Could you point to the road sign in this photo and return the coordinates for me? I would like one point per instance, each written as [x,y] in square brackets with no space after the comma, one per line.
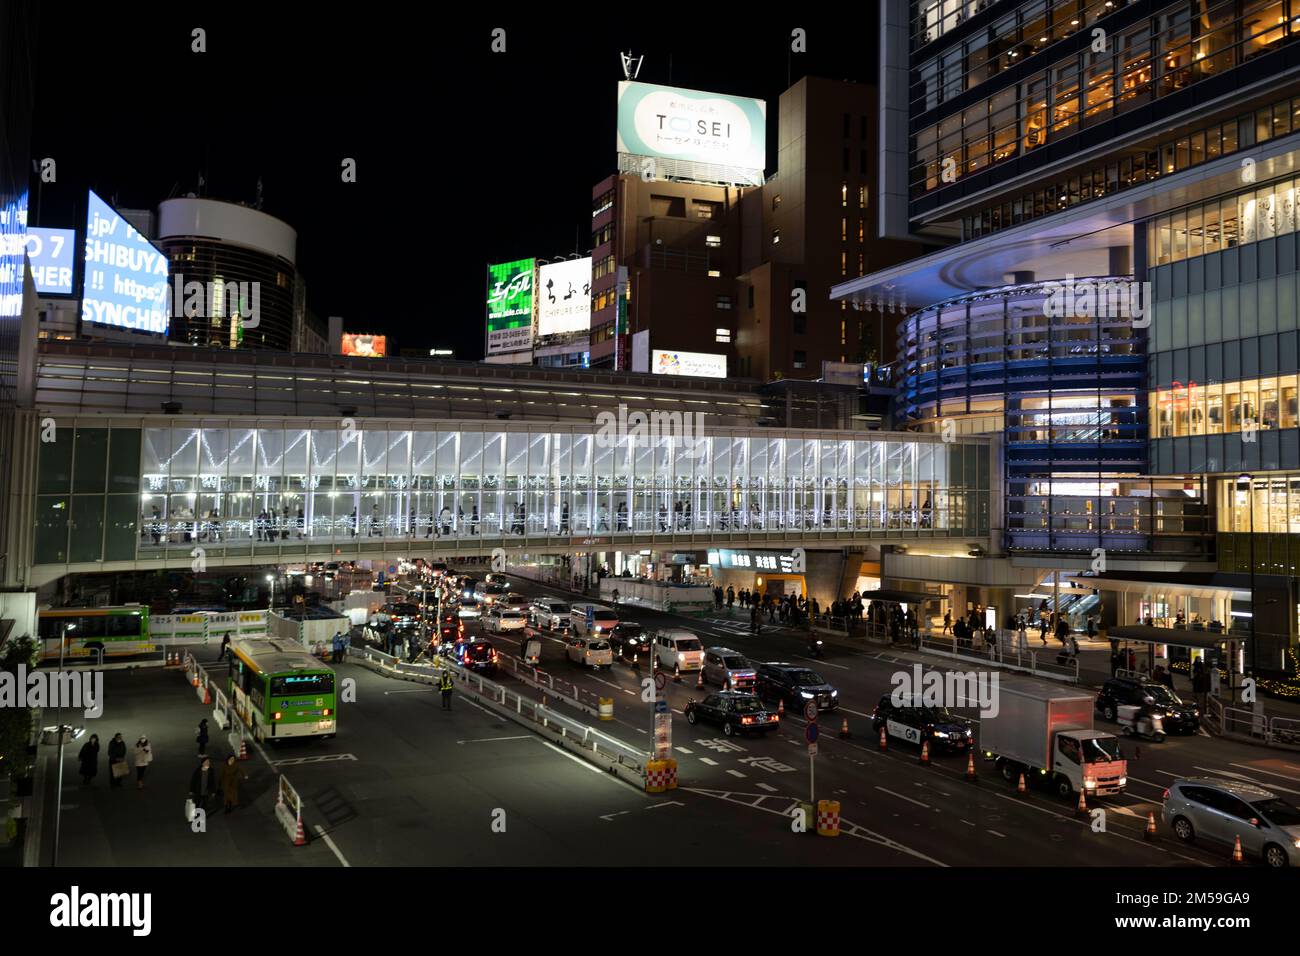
[810,711]
[661,706]
[810,734]
[661,680]
[812,750]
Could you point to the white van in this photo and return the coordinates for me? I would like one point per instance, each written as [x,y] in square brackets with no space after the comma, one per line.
[678,648]
[603,619]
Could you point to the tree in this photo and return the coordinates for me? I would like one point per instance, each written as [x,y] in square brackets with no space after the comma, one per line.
[16,722]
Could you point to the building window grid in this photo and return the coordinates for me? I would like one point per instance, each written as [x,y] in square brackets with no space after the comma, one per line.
[263,487]
[1091,87]
[1239,219]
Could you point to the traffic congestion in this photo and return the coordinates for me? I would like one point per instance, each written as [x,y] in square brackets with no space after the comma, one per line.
[742,703]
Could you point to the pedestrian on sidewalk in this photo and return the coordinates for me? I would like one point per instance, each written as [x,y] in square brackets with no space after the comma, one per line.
[231,776]
[201,738]
[225,646]
[1022,635]
[947,621]
[203,784]
[1200,683]
[143,757]
[445,685]
[89,760]
[117,768]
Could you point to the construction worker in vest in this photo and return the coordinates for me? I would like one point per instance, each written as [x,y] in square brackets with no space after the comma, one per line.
[444,685]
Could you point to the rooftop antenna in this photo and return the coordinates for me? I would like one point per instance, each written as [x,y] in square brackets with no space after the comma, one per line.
[631,66]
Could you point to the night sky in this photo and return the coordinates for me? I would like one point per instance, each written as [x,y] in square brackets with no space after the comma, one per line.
[464,156]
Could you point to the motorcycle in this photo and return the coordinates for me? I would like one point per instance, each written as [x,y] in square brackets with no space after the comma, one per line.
[1139,721]
[815,648]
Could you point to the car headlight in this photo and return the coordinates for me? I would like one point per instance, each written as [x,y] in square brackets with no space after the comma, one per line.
[1297,844]
[805,695]
[1090,784]
[835,693]
[941,734]
[1123,781]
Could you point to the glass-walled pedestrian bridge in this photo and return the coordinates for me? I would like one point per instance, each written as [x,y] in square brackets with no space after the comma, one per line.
[147,492]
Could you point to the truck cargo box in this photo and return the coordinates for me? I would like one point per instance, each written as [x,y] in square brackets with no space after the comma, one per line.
[1029,713]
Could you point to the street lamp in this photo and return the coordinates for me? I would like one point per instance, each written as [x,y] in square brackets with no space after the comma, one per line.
[58,802]
[1250,505]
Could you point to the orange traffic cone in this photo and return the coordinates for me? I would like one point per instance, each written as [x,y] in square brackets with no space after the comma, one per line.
[1081,808]
[1150,831]
[844,729]
[883,743]
[925,751]
[699,681]
[677,673]
[1237,857]
[243,748]
[1020,787]
[207,694]
[970,767]
[780,708]
[299,838]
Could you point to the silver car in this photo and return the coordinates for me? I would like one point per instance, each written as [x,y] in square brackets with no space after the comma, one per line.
[1220,811]
[729,669]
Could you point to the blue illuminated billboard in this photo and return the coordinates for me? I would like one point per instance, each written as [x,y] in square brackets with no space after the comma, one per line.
[49,256]
[126,277]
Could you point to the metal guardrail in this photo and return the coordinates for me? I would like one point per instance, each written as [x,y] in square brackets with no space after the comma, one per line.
[569,692]
[582,736]
[1004,654]
[1254,726]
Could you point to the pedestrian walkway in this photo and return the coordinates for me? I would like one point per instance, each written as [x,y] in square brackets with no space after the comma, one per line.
[103,826]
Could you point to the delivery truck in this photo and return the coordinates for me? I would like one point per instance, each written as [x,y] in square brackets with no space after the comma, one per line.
[1044,731]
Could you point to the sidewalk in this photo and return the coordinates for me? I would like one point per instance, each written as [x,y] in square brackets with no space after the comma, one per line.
[126,826]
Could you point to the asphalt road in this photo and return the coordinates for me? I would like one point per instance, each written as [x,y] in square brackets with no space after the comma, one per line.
[930,811]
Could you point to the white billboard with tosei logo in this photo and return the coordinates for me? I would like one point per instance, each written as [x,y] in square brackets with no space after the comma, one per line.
[667,132]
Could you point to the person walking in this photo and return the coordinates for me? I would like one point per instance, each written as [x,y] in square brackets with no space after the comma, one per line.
[203,784]
[1200,683]
[225,646]
[336,647]
[947,621]
[89,760]
[1022,636]
[731,597]
[201,738]
[445,685]
[143,757]
[117,768]
[231,776]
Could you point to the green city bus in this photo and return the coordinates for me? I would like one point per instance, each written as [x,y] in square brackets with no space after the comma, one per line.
[85,631]
[279,690]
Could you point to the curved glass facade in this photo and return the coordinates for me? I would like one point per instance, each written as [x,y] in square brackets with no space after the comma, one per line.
[1065,390]
[262,484]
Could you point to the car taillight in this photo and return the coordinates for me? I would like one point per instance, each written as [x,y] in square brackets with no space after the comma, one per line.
[276,716]
[328,712]
[747,720]
[1164,796]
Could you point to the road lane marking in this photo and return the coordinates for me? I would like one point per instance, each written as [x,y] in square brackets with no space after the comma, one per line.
[683,750]
[817,661]
[855,713]
[322,758]
[997,834]
[968,823]
[578,760]
[486,740]
[736,773]
[1242,776]
[711,763]
[414,690]
[330,843]
[1269,772]
[765,786]
[666,803]
[908,799]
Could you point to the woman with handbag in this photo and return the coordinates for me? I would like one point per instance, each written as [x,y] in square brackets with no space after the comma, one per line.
[143,757]
[117,768]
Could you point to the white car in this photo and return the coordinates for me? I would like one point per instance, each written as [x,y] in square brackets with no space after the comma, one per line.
[515,601]
[549,614]
[593,651]
[502,619]
[677,648]
[468,608]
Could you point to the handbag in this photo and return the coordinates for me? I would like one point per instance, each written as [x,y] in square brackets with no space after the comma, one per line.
[189,810]
[120,769]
